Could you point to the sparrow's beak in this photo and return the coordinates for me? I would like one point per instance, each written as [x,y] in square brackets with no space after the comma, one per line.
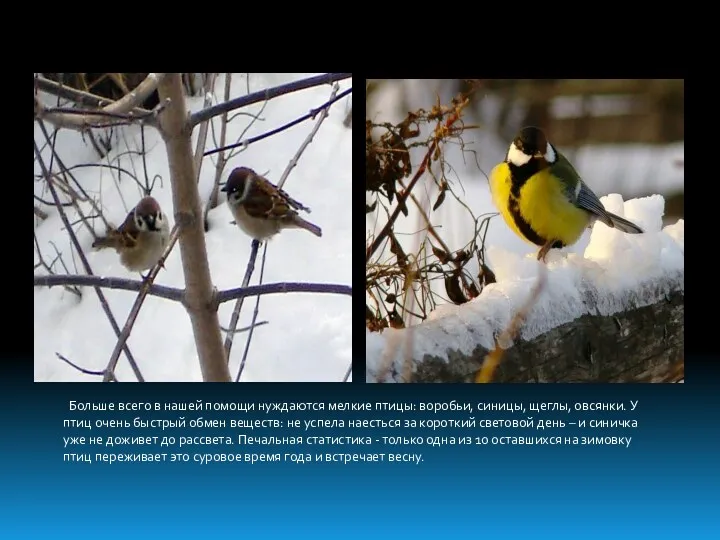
[224,188]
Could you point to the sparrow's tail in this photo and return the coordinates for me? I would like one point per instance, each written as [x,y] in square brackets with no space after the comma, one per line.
[103,242]
[624,225]
[301,223]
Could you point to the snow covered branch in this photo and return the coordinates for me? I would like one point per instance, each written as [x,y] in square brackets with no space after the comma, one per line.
[266,94]
[123,108]
[626,346]
[178,295]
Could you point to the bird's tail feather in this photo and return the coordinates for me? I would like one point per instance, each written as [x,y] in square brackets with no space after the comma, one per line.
[103,242]
[624,225]
[303,224]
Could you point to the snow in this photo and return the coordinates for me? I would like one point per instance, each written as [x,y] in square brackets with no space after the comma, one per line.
[605,268]
[308,336]
[614,273]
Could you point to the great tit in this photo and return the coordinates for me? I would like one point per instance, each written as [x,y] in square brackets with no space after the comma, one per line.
[542,197]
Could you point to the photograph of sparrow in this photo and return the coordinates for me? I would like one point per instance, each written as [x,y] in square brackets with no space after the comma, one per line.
[142,237]
[260,208]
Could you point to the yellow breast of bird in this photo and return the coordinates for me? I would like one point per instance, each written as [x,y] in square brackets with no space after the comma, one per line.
[537,210]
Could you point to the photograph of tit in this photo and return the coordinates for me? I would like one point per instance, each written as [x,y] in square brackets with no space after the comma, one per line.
[193,227]
[524,231]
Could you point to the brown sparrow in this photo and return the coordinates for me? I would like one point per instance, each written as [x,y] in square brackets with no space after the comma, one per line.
[260,208]
[141,239]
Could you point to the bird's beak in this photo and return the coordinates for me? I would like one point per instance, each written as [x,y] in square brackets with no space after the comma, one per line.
[224,188]
[539,155]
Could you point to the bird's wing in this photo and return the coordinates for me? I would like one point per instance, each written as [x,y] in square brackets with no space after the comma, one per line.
[587,200]
[266,200]
[578,192]
[127,231]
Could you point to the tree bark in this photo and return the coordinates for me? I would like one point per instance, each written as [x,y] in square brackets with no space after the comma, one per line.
[644,344]
[199,294]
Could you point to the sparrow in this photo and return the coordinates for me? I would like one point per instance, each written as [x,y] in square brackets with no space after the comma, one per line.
[260,208]
[142,237]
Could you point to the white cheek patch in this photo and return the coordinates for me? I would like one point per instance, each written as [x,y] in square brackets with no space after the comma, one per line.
[550,155]
[516,156]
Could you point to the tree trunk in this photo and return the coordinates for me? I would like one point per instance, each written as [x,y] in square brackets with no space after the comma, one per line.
[199,294]
[645,344]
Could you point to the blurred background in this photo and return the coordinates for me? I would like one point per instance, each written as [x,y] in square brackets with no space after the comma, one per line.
[623,135]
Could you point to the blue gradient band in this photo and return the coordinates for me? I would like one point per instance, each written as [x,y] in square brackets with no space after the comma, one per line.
[662,485]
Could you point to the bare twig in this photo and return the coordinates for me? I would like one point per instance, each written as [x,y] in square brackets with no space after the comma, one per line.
[348,373]
[238,306]
[266,94]
[87,119]
[401,198]
[49,267]
[311,115]
[294,161]
[254,318]
[80,369]
[220,166]
[78,96]
[80,195]
[83,258]
[254,249]
[202,134]
[245,328]
[178,295]
[254,117]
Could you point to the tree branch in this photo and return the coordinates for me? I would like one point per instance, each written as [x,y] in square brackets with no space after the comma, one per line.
[323,110]
[77,96]
[263,95]
[311,115]
[177,295]
[401,198]
[87,119]
[123,284]
[256,311]
[135,311]
[249,269]
[624,347]
[80,369]
[176,131]
[81,254]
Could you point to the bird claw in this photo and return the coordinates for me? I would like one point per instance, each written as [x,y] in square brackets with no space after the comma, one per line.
[544,251]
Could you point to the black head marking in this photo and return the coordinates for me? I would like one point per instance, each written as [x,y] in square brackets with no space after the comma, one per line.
[237,179]
[531,140]
[148,213]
